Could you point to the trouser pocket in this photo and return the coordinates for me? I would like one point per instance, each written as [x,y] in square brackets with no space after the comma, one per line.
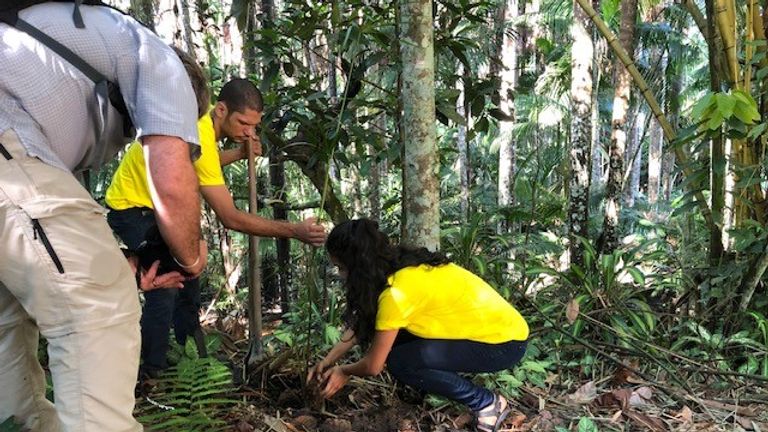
[39,234]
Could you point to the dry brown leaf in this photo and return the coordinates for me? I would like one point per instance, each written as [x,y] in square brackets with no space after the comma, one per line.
[617,398]
[616,416]
[462,420]
[641,396]
[305,422]
[572,311]
[644,392]
[585,394]
[685,415]
[244,426]
[275,424]
[622,396]
[517,420]
[744,422]
[650,423]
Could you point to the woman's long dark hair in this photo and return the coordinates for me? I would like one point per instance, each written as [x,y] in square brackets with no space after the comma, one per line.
[369,259]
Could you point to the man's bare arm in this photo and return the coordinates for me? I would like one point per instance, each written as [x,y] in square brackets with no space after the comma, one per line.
[174,190]
[221,202]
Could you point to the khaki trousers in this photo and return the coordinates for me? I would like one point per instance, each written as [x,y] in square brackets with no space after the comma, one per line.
[62,275]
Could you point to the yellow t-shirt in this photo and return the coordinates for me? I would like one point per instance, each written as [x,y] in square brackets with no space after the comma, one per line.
[129,186]
[448,302]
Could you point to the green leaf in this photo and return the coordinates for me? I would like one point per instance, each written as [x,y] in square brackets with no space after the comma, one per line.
[637,275]
[725,104]
[715,121]
[746,113]
[587,425]
[698,110]
[757,130]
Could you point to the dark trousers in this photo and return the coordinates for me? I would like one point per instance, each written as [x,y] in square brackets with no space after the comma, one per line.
[433,365]
[164,306]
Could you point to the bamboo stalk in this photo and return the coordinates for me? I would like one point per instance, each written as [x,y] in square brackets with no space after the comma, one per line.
[713,40]
[724,25]
[640,83]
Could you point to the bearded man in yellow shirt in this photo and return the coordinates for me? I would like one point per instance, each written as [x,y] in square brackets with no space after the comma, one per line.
[235,116]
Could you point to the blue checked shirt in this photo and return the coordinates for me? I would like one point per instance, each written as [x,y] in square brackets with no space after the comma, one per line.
[51,105]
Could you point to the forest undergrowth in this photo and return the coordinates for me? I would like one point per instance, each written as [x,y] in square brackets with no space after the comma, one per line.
[631,342]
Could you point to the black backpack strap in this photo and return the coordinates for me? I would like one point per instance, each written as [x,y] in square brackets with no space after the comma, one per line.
[76,16]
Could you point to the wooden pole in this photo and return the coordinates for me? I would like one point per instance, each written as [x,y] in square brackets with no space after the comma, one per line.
[256,349]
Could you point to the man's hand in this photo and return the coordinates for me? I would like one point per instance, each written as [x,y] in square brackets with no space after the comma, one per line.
[310,232]
[149,280]
[255,147]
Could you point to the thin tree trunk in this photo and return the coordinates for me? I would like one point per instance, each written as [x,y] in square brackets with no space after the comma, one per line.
[581,97]
[144,11]
[597,148]
[283,274]
[462,145]
[654,162]
[421,203]
[634,158]
[509,73]
[672,107]
[374,182]
[617,149]
[717,145]
[189,43]
[669,132]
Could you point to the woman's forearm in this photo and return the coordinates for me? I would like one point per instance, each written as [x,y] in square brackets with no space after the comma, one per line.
[348,341]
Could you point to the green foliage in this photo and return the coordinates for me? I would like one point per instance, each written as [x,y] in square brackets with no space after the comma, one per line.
[585,424]
[191,396]
[10,425]
[737,111]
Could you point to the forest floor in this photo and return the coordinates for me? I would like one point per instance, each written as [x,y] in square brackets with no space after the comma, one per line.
[378,405]
[274,399]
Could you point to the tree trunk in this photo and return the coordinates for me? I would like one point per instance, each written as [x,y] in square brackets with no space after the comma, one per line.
[420,182]
[654,162]
[374,182]
[672,108]
[283,274]
[617,149]
[509,76]
[669,132]
[144,11]
[597,147]
[187,32]
[717,146]
[581,101]
[462,145]
[635,159]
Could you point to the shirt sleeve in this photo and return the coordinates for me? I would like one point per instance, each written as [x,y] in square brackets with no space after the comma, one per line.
[208,166]
[394,310]
[157,90]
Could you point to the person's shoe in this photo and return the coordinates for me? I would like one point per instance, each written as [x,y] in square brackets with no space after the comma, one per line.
[490,418]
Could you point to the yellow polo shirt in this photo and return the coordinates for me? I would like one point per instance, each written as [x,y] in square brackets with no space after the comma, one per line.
[129,186]
[448,302]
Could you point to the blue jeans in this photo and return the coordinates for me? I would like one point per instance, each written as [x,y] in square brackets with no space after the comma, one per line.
[164,306]
[433,365]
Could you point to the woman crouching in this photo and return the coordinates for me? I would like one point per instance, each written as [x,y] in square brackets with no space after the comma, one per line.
[424,317]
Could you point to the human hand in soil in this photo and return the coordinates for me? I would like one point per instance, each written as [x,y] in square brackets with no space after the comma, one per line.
[334,379]
[316,371]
